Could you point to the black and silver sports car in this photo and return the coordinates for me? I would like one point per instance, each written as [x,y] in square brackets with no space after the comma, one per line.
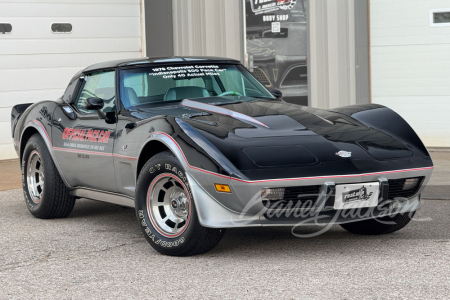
[198,145]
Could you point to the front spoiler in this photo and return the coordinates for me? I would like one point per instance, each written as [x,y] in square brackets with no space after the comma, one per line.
[214,213]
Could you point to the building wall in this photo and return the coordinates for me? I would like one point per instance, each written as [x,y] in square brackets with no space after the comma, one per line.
[211,28]
[411,65]
[338,52]
[37,64]
[158,28]
[332,59]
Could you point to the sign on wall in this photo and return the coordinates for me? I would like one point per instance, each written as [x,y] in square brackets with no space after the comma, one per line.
[276,36]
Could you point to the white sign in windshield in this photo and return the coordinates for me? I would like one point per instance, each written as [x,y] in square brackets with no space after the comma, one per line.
[180,72]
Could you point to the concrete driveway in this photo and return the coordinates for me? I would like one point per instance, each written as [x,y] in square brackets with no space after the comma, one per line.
[99,252]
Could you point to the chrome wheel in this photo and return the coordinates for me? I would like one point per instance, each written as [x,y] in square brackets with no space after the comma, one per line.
[35,176]
[168,205]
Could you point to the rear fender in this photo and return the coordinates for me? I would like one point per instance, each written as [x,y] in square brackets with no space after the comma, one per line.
[37,126]
[16,113]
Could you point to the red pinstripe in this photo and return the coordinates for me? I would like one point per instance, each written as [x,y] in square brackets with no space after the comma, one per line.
[236,179]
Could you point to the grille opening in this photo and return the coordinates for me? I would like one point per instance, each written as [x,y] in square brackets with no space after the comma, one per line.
[404,187]
[261,76]
[295,197]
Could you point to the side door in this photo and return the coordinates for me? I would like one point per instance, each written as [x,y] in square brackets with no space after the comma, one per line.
[82,141]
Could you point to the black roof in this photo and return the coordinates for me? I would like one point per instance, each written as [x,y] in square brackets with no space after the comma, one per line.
[158,60]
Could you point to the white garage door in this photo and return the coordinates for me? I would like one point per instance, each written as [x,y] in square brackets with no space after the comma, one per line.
[37,64]
[411,65]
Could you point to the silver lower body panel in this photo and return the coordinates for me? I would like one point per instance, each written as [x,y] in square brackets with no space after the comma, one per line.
[243,206]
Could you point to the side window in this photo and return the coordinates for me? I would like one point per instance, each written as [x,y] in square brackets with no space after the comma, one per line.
[99,85]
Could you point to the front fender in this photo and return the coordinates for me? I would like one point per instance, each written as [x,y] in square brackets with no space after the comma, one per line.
[387,121]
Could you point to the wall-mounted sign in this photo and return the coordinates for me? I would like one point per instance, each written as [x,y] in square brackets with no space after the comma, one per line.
[264,6]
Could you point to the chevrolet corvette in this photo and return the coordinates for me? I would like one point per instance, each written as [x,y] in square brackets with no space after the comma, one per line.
[197,145]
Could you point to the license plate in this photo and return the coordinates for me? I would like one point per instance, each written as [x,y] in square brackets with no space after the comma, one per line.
[357,195]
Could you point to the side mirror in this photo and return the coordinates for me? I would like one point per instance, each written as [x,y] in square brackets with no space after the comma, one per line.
[277,93]
[95,104]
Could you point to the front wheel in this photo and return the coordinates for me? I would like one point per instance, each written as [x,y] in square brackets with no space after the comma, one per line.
[384,225]
[166,211]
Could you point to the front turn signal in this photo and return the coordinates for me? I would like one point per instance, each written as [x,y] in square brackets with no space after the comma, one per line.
[222,188]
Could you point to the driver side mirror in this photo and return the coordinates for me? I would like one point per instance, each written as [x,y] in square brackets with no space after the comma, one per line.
[95,104]
[277,93]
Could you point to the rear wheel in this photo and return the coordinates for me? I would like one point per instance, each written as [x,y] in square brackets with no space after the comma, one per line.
[45,194]
[166,211]
[378,226]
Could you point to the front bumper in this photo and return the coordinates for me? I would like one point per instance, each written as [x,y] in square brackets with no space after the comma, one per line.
[243,207]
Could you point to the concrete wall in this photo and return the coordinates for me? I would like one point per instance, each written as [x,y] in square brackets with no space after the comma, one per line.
[411,65]
[211,28]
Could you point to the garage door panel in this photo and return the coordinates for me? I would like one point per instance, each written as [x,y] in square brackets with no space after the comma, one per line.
[68,45]
[5,135]
[101,27]
[34,79]
[37,64]
[74,1]
[9,99]
[5,113]
[411,109]
[21,10]
[60,60]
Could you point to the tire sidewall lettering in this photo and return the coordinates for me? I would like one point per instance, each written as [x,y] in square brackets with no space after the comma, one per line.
[151,234]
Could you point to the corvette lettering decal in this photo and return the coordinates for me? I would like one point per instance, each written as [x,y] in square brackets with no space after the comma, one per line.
[86,135]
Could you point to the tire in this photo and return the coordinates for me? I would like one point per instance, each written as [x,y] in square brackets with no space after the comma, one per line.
[165,209]
[45,194]
[379,226]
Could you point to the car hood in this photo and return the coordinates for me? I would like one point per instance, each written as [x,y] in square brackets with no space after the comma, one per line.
[258,135]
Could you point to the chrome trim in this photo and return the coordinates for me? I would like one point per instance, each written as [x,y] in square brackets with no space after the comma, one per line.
[34,173]
[103,196]
[175,206]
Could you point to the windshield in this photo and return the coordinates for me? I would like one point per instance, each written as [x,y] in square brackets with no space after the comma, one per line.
[144,86]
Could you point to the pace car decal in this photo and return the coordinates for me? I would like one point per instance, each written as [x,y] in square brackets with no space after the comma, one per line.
[263,6]
[356,195]
[86,135]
